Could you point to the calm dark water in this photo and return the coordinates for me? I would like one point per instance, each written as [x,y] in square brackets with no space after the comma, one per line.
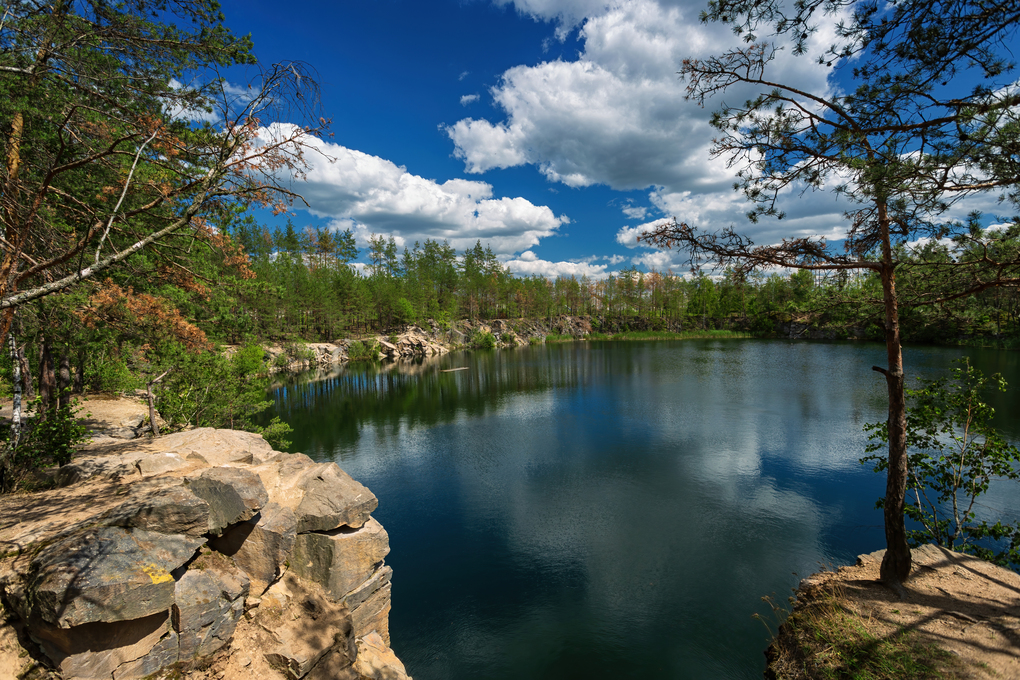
[612,510]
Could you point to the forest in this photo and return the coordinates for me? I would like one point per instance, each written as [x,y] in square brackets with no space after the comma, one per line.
[249,284]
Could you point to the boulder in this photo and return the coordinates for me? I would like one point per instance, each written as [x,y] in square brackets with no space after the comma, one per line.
[233,494]
[164,654]
[322,496]
[261,546]
[343,559]
[107,467]
[160,462]
[104,574]
[174,510]
[218,447]
[98,650]
[380,578]
[209,599]
[377,661]
[306,626]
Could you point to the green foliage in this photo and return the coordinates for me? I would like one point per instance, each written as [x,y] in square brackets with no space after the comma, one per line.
[46,440]
[363,350]
[109,374]
[275,433]
[483,340]
[207,389]
[298,351]
[954,455]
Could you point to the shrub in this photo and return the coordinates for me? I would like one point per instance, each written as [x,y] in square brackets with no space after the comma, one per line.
[483,340]
[45,440]
[953,455]
[275,433]
[367,350]
[206,389]
[298,351]
[111,374]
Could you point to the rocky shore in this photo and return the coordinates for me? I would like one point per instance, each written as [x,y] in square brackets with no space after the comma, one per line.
[430,340]
[200,554]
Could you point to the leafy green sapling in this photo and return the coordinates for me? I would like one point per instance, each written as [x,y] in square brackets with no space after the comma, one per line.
[954,453]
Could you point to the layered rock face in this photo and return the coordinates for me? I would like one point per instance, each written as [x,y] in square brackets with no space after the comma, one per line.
[203,554]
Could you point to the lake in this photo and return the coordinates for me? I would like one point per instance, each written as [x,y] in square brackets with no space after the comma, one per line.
[613,509]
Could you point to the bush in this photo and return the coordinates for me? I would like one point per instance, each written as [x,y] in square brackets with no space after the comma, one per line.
[109,374]
[45,440]
[298,351]
[367,350]
[483,340]
[953,455]
[207,389]
[275,433]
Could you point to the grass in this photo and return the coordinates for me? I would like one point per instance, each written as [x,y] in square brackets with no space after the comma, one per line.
[649,335]
[826,638]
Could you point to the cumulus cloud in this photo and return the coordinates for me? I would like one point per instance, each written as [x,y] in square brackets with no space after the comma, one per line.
[635,212]
[566,13]
[615,115]
[528,264]
[373,195]
[468,99]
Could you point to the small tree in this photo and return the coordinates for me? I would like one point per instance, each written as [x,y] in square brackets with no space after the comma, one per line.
[117,131]
[902,147]
[954,453]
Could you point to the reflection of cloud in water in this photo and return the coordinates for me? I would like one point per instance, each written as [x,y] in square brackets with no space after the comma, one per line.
[631,530]
[633,497]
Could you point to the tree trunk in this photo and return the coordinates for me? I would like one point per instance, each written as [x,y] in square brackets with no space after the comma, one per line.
[16,406]
[896,563]
[47,378]
[79,374]
[7,452]
[64,379]
[27,388]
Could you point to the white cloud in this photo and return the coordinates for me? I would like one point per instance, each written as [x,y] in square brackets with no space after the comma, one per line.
[635,212]
[468,99]
[463,75]
[615,259]
[566,13]
[528,264]
[371,195]
[615,115]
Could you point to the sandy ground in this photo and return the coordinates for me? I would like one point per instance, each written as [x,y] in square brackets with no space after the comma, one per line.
[966,606]
[102,411]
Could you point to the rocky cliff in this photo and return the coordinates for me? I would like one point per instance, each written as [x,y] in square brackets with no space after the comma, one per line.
[199,554]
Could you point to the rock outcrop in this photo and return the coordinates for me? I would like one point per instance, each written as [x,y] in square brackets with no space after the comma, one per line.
[203,554]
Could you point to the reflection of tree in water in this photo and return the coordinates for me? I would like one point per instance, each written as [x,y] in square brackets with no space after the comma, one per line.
[328,409]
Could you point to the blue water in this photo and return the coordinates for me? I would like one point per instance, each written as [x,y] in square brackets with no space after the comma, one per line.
[612,510]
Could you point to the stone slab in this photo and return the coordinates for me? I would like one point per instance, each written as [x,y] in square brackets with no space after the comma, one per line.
[342,559]
[106,574]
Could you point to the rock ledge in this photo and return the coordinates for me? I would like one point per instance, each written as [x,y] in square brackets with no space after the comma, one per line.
[199,554]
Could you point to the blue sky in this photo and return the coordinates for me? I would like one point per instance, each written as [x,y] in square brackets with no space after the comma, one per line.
[551,130]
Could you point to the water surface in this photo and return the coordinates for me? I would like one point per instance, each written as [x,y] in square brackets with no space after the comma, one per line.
[612,510]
